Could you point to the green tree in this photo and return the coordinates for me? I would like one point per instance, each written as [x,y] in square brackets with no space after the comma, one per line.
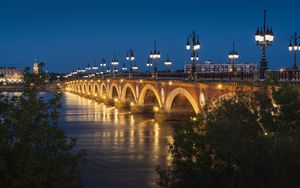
[34,152]
[244,141]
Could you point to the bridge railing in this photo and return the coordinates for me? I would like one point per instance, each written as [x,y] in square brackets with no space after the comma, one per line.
[280,77]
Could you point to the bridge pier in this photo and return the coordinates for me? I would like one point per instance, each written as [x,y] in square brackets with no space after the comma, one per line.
[136,109]
[108,102]
[122,104]
[161,115]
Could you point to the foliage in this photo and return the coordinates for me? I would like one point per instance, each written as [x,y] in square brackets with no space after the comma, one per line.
[244,141]
[34,152]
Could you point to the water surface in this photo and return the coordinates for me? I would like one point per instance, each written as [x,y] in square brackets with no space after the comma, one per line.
[123,149]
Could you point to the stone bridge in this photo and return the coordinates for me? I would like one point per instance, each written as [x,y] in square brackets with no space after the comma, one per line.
[167,99]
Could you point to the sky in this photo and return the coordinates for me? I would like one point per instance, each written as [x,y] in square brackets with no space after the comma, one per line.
[66,34]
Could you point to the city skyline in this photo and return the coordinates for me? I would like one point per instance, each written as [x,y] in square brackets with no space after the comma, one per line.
[69,34]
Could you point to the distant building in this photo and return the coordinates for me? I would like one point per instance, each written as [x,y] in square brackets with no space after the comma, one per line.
[209,67]
[35,67]
[11,75]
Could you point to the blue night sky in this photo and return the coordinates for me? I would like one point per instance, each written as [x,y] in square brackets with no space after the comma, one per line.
[68,34]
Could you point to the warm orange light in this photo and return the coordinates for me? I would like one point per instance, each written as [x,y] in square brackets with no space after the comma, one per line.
[132,103]
[170,82]
[155,108]
[116,99]
[141,81]
[220,86]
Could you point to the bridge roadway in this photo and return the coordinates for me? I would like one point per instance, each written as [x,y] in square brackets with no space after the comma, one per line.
[136,94]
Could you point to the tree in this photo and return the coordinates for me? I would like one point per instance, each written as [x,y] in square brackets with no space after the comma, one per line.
[34,152]
[242,142]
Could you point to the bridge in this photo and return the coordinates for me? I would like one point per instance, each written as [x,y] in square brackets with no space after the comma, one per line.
[166,98]
[169,96]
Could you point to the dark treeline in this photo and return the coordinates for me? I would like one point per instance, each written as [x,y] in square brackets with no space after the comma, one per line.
[246,140]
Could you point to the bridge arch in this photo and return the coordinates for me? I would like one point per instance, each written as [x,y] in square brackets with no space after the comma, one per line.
[84,88]
[79,88]
[144,92]
[173,94]
[221,97]
[126,87]
[103,90]
[90,89]
[111,90]
[96,90]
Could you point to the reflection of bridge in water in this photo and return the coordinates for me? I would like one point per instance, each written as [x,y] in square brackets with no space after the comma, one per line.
[166,98]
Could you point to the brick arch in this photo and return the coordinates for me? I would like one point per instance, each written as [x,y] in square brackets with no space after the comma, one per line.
[84,88]
[103,85]
[144,91]
[225,95]
[96,90]
[90,88]
[112,86]
[123,94]
[172,95]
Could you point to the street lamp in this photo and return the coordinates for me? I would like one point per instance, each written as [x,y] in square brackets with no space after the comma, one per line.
[155,56]
[148,65]
[130,57]
[264,38]
[168,63]
[95,67]
[102,65]
[193,44]
[233,55]
[124,68]
[294,47]
[108,71]
[88,68]
[115,64]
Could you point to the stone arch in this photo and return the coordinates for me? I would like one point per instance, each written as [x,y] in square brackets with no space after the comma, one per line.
[125,88]
[144,91]
[172,95]
[96,90]
[221,96]
[84,88]
[102,87]
[112,86]
[90,88]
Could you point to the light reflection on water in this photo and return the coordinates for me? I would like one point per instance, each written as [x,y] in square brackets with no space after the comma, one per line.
[123,149]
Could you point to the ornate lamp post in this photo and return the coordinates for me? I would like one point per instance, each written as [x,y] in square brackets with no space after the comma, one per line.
[134,68]
[294,46]
[193,44]
[130,57]
[102,66]
[233,55]
[108,70]
[148,65]
[155,56]
[168,63]
[124,68]
[115,64]
[88,69]
[264,38]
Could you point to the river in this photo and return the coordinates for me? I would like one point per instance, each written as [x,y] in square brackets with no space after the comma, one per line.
[122,149]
